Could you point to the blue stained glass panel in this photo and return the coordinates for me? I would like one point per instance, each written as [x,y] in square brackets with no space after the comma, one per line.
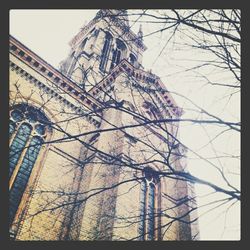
[23,175]
[40,129]
[11,128]
[17,115]
[18,145]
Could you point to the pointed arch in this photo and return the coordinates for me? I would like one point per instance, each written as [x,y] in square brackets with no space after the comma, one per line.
[149,217]
[29,129]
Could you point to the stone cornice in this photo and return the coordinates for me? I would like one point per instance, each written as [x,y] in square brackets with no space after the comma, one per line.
[88,98]
[53,93]
[52,74]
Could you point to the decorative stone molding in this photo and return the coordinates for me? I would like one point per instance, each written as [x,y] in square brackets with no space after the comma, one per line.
[161,93]
[51,74]
[52,93]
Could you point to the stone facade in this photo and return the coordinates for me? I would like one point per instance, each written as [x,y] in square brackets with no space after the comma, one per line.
[86,183]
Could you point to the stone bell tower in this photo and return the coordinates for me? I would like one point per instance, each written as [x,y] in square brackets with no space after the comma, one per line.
[106,57]
[100,46]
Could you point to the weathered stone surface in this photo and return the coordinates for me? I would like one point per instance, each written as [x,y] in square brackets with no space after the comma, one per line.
[60,201]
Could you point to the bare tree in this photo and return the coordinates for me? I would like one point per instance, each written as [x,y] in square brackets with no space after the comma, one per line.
[216,33]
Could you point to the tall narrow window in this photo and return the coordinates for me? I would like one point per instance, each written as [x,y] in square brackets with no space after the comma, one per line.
[149,205]
[118,53]
[132,59]
[105,51]
[28,128]
[18,145]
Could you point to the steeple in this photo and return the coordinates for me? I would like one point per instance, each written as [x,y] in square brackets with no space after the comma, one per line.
[100,45]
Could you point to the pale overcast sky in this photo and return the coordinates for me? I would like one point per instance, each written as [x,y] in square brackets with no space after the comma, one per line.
[47,33]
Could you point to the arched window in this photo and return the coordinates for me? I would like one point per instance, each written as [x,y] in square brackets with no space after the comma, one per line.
[132,59]
[28,129]
[105,51]
[149,219]
[118,53]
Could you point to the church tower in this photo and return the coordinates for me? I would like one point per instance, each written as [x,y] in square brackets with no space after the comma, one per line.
[100,45]
[106,61]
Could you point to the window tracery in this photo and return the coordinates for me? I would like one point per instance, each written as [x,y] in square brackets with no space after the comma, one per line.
[28,129]
[149,205]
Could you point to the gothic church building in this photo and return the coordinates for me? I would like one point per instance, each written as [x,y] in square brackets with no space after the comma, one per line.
[87,158]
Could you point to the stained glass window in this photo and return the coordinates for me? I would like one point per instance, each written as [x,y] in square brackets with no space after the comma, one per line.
[11,128]
[18,145]
[27,128]
[148,206]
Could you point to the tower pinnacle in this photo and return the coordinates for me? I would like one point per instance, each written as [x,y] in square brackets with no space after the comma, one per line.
[140,33]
